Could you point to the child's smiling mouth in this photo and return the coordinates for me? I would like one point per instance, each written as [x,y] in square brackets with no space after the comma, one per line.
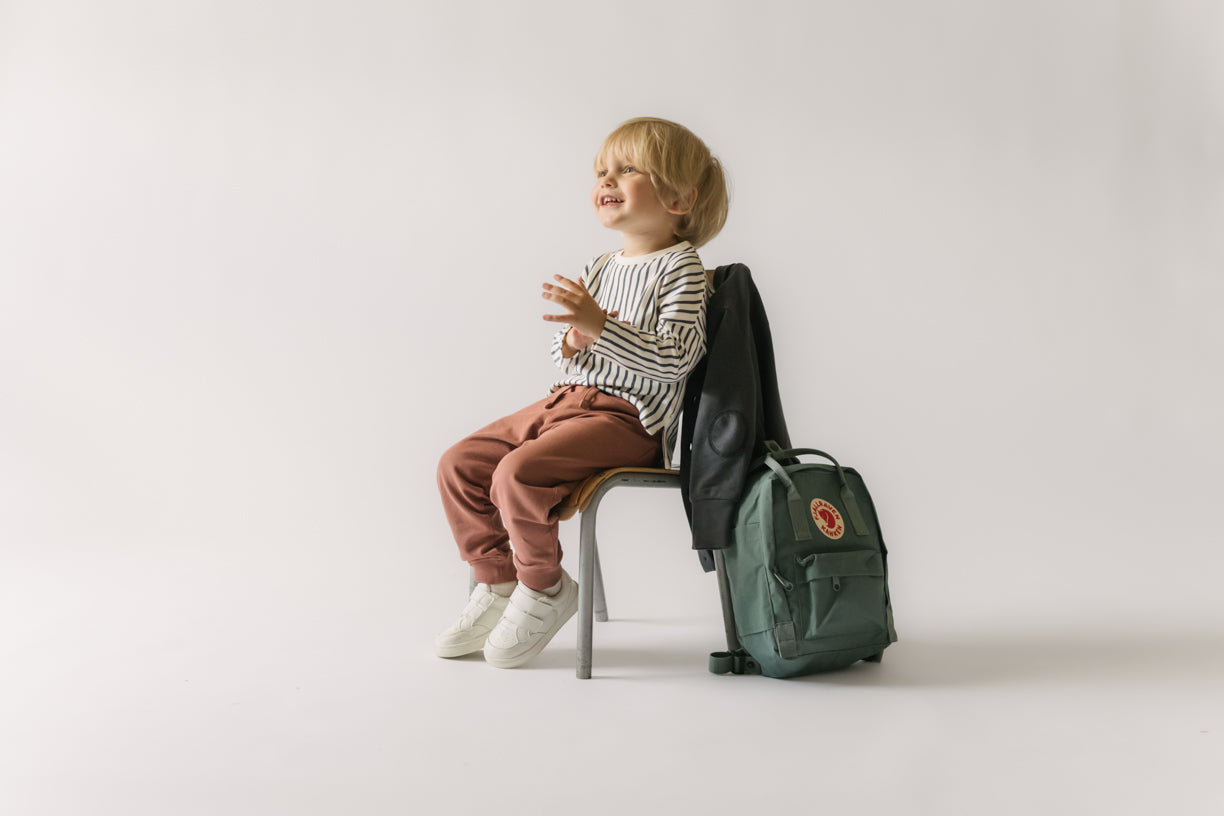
[605,200]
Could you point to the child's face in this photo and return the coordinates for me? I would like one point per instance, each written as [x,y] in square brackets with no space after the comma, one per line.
[626,200]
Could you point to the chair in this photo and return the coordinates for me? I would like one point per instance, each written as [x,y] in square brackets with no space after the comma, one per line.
[592,602]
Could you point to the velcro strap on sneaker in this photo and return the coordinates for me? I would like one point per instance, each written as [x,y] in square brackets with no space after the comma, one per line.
[477,605]
[521,617]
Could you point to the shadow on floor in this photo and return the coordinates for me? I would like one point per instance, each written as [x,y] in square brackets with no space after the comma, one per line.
[1051,659]
[1086,657]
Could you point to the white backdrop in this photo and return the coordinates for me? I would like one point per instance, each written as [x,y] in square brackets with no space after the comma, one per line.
[262,262]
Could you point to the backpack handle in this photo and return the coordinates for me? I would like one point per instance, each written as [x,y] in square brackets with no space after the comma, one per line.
[777,452]
[800,520]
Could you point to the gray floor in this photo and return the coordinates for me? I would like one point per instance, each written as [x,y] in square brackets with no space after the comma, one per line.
[174,685]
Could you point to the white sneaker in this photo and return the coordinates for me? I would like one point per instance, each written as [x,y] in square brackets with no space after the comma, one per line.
[484,609]
[529,622]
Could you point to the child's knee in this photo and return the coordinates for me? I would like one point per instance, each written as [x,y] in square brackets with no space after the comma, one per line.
[508,477]
[451,462]
[504,477]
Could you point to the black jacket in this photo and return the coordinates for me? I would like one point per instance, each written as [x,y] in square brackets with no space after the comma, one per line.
[731,406]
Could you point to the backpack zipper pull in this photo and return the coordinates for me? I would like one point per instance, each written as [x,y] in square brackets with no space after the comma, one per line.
[787,585]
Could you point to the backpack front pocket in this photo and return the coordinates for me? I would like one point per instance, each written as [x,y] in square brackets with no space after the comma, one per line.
[841,595]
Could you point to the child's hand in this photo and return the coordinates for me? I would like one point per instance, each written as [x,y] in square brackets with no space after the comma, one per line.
[578,341]
[581,310]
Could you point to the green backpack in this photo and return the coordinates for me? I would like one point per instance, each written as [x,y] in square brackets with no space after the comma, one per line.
[808,572]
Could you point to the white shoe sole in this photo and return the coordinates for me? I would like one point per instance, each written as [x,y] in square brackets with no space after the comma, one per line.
[467,647]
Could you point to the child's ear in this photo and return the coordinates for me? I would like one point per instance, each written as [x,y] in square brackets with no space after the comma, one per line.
[677,205]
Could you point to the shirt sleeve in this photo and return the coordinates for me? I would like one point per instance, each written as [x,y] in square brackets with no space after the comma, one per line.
[574,364]
[668,353]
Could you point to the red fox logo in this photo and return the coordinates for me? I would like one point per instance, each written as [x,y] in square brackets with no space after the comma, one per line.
[827,519]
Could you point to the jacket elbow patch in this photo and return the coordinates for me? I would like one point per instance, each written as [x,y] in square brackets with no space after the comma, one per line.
[728,433]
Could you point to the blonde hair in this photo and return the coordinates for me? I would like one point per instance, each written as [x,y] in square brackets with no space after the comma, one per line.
[680,165]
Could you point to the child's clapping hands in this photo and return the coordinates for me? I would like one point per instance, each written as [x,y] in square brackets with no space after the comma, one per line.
[584,315]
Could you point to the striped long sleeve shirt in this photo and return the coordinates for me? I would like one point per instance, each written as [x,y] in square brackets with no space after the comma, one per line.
[645,354]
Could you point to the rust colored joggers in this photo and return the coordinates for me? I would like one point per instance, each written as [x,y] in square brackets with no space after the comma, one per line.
[503,483]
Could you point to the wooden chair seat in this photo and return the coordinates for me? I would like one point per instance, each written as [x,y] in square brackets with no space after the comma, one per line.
[580,499]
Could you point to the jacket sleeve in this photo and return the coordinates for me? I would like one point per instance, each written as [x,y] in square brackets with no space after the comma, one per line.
[736,409]
[669,352]
[727,414]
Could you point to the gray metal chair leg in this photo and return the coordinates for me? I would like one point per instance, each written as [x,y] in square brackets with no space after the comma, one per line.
[586,588]
[601,599]
[590,574]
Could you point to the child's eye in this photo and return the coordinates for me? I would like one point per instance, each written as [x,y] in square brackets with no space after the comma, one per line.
[629,170]
[601,174]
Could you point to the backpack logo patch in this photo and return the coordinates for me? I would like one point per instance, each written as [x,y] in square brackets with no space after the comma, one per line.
[827,519]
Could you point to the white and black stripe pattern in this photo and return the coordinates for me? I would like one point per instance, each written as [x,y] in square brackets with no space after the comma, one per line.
[645,354]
